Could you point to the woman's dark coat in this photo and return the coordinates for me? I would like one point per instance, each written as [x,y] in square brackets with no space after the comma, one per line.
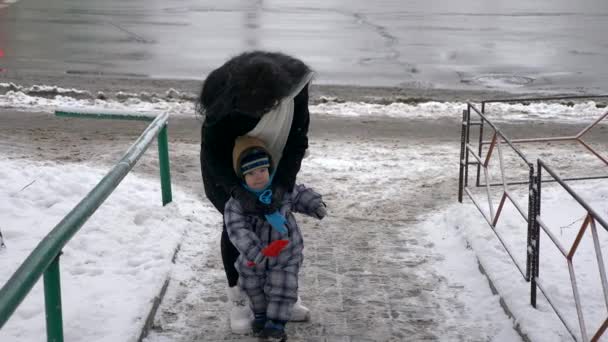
[233,99]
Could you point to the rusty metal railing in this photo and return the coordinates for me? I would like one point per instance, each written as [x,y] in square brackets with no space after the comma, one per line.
[592,219]
[534,182]
[578,138]
[467,150]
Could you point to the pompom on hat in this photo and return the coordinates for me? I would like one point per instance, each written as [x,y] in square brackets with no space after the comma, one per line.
[250,154]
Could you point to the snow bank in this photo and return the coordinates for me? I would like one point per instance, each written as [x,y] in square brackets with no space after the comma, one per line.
[49,98]
[564,217]
[112,268]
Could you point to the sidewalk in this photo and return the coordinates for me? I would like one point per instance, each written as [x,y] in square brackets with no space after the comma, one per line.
[370,269]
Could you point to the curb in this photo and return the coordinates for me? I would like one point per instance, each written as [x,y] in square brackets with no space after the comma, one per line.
[156,301]
[503,304]
[155,304]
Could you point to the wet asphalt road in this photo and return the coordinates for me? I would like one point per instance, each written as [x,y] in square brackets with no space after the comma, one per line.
[545,45]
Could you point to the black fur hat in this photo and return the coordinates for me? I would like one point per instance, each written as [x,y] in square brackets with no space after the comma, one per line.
[251,84]
[259,84]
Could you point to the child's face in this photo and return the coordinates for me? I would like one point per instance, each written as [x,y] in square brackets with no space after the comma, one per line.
[257,179]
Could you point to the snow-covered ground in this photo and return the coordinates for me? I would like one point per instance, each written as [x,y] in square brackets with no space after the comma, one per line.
[111,269]
[564,217]
[120,258]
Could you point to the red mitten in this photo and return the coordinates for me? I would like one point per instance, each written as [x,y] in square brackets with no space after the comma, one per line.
[275,248]
[250,263]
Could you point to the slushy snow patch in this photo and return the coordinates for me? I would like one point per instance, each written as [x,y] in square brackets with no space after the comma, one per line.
[179,104]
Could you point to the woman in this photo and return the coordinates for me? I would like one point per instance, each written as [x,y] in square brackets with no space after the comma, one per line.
[264,95]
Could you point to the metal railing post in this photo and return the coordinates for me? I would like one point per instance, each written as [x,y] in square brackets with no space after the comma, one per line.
[531,219]
[462,153]
[483,111]
[467,141]
[163,159]
[52,300]
[535,271]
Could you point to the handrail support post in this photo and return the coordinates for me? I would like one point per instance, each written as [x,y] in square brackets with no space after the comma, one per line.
[52,300]
[163,160]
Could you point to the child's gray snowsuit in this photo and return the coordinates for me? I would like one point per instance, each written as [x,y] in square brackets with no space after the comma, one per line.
[272,283]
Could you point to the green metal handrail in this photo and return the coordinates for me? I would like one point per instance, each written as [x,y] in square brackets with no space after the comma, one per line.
[44,259]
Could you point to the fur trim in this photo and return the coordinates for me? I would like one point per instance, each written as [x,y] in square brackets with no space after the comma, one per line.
[251,84]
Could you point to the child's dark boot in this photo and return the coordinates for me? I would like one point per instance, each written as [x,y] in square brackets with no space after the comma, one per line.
[258,324]
[275,330]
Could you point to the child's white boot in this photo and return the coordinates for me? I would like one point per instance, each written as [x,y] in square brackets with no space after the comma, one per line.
[240,313]
[300,313]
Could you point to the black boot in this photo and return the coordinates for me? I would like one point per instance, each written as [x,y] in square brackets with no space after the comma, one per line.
[258,324]
[275,330]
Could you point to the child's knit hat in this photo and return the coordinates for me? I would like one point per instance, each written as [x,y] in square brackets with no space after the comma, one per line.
[250,154]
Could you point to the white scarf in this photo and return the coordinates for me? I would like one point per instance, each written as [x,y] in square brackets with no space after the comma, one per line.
[274,127]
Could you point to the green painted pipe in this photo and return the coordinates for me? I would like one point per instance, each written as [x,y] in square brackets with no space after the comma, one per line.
[86,113]
[163,160]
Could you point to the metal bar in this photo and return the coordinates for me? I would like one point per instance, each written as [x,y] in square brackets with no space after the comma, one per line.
[549,180]
[531,239]
[535,140]
[586,129]
[578,238]
[555,308]
[501,163]
[2,245]
[504,245]
[577,301]
[107,114]
[22,281]
[537,212]
[52,300]
[552,237]
[488,219]
[462,152]
[490,205]
[485,172]
[467,140]
[483,110]
[165,170]
[600,331]
[490,150]
[521,211]
[470,150]
[584,204]
[504,137]
[593,151]
[500,238]
[600,261]
[533,99]
[547,139]
[482,116]
[509,183]
[499,210]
